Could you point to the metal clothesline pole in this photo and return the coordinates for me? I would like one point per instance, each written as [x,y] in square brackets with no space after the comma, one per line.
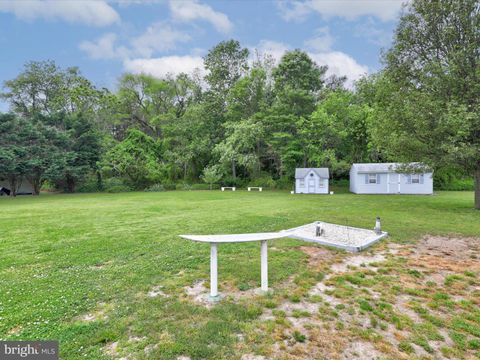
[213,271]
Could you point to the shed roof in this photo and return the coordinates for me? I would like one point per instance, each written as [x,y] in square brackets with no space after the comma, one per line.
[385,167]
[300,173]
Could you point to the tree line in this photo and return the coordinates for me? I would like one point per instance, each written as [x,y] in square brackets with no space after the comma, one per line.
[255,121]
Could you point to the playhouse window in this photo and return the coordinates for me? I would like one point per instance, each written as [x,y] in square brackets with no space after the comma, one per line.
[415,178]
[302,182]
[372,178]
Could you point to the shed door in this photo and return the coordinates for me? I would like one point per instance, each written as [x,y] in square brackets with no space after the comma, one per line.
[393,183]
[311,185]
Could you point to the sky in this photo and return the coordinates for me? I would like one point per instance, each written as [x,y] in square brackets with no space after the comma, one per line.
[108,38]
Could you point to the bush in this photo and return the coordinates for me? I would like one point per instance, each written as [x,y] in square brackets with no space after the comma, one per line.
[89,185]
[205,187]
[48,186]
[452,179]
[183,186]
[116,185]
[155,188]
[285,183]
[169,186]
[265,181]
[230,181]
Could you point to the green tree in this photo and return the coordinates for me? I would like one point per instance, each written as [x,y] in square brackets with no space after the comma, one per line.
[225,63]
[137,159]
[45,88]
[427,98]
[29,149]
[211,175]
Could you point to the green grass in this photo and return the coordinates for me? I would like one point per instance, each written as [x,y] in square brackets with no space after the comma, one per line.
[64,256]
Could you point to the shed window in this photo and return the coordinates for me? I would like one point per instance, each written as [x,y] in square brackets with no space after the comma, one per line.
[415,178]
[372,178]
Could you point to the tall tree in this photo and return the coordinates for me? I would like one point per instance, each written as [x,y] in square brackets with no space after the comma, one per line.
[225,63]
[45,88]
[429,93]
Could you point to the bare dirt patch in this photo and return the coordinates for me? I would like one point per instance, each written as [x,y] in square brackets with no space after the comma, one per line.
[98,314]
[156,291]
[358,260]
[443,253]
[318,257]
[360,350]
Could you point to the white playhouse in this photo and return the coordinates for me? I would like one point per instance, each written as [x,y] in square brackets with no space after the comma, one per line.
[311,180]
[390,178]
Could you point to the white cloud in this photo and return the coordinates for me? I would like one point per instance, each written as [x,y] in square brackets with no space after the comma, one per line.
[189,10]
[384,10]
[162,66]
[341,64]
[322,41]
[157,37]
[103,48]
[96,13]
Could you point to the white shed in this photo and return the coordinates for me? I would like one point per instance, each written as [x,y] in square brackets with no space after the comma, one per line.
[311,180]
[389,178]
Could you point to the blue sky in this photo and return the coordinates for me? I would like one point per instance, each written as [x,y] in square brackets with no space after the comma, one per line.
[106,38]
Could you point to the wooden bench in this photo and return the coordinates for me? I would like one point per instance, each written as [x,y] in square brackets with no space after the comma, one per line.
[255,187]
[233,188]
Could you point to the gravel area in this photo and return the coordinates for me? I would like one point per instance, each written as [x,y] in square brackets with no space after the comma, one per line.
[340,236]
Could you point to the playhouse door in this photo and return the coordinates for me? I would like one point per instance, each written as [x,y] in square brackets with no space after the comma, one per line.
[311,185]
[393,183]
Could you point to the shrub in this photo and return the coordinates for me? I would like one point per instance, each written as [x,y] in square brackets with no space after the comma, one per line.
[116,185]
[285,183]
[89,185]
[186,187]
[48,186]
[263,181]
[169,185]
[204,187]
[230,181]
[155,188]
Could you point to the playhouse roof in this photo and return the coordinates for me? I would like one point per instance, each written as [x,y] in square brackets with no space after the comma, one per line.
[300,173]
[384,167]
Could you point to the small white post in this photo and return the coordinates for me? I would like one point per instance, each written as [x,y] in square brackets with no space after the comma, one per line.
[260,189]
[223,189]
[213,271]
[233,188]
[264,264]
[248,189]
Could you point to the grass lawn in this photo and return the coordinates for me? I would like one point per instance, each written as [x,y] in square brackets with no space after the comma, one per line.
[105,274]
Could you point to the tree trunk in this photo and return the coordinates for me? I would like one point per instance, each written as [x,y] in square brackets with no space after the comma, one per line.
[13,185]
[70,184]
[99,180]
[477,188]
[36,186]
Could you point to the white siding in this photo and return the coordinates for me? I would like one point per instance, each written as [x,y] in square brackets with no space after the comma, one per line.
[390,183]
[317,184]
